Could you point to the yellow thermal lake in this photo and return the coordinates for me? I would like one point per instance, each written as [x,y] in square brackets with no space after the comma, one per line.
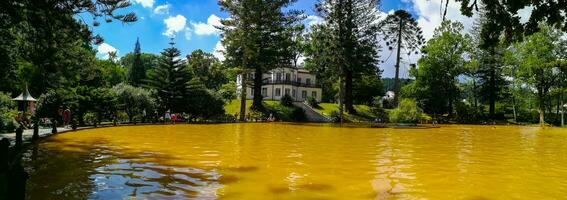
[294,161]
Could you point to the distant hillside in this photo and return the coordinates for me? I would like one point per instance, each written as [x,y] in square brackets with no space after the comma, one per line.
[389,83]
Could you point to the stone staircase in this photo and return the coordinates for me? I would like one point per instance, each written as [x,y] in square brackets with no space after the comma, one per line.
[311,114]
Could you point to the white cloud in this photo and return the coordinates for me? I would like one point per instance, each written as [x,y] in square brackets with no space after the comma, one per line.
[313,20]
[219,51]
[430,17]
[208,28]
[145,3]
[525,14]
[174,25]
[188,33]
[104,49]
[162,9]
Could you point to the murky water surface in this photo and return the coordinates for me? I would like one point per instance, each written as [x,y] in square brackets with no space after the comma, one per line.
[286,161]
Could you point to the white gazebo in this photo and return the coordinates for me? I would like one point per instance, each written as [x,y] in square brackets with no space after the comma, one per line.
[27,100]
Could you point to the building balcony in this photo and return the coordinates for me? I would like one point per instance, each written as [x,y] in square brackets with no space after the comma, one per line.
[290,82]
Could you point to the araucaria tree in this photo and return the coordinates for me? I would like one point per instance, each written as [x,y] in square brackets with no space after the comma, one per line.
[400,31]
[436,85]
[137,71]
[345,46]
[170,80]
[256,32]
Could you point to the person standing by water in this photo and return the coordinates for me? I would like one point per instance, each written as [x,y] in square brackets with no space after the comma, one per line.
[173,118]
[167,117]
[66,117]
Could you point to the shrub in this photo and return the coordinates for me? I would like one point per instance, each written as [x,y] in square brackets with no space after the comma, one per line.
[7,113]
[379,113]
[407,112]
[335,117]
[313,102]
[286,100]
[133,100]
[468,114]
[298,114]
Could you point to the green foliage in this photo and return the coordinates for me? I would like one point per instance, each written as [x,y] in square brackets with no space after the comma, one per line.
[138,65]
[204,104]
[335,116]
[401,31]
[366,87]
[134,100]
[312,102]
[344,47]
[378,111]
[407,112]
[257,37]
[298,114]
[170,81]
[286,100]
[207,69]
[533,58]
[503,17]
[7,113]
[437,85]
[50,102]
[468,114]
[105,103]
[228,91]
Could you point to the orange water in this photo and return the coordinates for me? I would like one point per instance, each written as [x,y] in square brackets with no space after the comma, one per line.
[287,161]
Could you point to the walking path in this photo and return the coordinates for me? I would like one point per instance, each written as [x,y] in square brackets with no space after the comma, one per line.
[28,133]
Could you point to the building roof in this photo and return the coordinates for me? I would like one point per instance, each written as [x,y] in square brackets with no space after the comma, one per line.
[25,96]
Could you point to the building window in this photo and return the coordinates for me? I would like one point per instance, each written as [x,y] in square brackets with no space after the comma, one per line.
[308,81]
[251,91]
[264,92]
[298,80]
[293,93]
[314,94]
[304,94]
[286,91]
[279,76]
[287,77]
[278,92]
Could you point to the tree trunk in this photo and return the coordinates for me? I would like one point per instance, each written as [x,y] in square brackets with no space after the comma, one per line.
[243,97]
[341,98]
[397,84]
[562,110]
[541,98]
[450,108]
[348,93]
[492,97]
[258,98]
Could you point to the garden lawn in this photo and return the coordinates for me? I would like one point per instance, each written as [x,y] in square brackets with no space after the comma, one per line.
[363,112]
[280,112]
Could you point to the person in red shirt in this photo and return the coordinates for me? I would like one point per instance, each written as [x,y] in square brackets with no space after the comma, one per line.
[173,118]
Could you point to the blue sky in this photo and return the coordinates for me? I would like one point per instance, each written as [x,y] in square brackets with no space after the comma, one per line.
[190,22]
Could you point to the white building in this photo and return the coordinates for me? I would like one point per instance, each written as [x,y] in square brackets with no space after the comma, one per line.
[297,83]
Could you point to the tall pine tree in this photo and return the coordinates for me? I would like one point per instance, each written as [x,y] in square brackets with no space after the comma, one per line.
[256,30]
[170,80]
[350,43]
[137,71]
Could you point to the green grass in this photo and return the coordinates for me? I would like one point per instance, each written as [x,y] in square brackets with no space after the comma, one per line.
[363,112]
[233,107]
[281,112]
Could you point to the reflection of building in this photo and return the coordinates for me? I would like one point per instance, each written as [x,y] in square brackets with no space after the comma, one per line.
[297,83]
